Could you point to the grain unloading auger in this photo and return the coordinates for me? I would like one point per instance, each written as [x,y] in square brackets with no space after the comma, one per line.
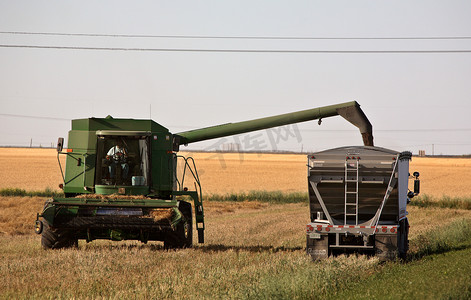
[351,111]
[120,179]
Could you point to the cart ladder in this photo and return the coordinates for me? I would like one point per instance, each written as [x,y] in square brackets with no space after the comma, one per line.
[351,190]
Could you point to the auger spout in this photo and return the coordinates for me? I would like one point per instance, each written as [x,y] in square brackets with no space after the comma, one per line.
[350,111]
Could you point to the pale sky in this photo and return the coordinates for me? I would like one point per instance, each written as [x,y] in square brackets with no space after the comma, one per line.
[413,100]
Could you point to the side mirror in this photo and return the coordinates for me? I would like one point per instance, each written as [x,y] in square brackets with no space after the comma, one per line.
[60,144]
[416,183]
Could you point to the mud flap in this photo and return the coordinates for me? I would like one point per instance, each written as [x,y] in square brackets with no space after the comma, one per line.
[318,248]
[386,247]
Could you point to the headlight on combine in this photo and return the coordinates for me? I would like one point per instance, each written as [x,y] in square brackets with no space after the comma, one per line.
[38,227]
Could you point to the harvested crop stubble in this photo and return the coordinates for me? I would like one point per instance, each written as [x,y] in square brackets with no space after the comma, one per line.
[229,207]
[17,214]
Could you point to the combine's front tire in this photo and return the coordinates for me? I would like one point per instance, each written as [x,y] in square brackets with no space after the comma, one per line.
[57,238]
[183,236]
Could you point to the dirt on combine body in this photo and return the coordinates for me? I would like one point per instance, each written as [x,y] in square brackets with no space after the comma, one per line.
[358,200]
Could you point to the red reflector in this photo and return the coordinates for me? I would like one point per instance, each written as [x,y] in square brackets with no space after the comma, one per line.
[312,157]
[70,150]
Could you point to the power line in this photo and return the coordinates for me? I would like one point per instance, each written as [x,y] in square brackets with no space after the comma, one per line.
[34,117]
[232,50]
[303,130]
[235,37]
[391,130]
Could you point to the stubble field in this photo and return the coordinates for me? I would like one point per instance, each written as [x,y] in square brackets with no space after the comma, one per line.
[252,249]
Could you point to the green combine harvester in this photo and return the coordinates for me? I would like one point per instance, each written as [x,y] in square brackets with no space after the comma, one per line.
[120,178]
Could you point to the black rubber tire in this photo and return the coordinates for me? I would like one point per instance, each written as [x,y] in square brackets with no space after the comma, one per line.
[183,235]
[57,238]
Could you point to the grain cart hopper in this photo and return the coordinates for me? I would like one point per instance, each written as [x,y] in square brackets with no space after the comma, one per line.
[358,200]
[120,179]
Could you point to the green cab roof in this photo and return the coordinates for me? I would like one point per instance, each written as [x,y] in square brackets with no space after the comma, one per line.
[112,124]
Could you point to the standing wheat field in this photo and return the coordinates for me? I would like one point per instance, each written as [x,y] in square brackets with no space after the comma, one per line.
[38,169]
[252,250]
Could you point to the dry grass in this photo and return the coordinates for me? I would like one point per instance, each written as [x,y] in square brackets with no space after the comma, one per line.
[129,270]
[423,220]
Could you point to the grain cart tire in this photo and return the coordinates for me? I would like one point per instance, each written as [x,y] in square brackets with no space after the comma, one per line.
[57,238]
[183,235]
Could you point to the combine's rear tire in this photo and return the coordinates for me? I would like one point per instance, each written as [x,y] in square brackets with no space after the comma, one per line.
[183,236]
[57,238]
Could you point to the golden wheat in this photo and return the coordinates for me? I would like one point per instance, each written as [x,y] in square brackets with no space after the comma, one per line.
[30,169]
[220,173]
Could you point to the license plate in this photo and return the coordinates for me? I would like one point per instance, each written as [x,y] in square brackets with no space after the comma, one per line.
[114,211]
[314,235]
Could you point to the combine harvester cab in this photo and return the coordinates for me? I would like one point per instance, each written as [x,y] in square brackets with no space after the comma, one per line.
[358,200]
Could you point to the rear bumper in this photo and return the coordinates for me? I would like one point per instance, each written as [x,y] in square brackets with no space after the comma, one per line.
[320,228]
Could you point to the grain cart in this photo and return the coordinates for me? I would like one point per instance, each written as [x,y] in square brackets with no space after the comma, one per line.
[358,201]
[120,179]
